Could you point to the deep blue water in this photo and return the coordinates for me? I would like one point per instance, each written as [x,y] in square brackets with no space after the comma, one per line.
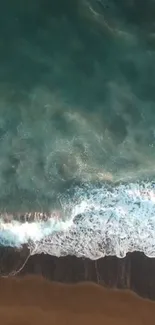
[77,98]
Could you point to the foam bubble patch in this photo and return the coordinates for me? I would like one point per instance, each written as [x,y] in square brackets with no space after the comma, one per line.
[103,220]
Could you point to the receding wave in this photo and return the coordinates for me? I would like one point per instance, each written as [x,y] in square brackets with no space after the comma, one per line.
[96,220]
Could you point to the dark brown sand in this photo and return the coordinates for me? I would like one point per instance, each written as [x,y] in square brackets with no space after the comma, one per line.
[34,300]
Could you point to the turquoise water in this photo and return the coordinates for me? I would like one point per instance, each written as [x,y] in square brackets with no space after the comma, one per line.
[77,94]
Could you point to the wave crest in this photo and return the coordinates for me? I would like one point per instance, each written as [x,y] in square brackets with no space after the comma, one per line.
[107,221]
[99,220]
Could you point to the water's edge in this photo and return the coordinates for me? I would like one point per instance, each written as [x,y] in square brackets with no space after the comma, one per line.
[134,272]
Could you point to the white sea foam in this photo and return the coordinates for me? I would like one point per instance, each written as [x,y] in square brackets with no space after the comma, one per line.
[103,220]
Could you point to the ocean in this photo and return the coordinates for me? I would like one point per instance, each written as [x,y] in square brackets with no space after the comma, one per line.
[77,126]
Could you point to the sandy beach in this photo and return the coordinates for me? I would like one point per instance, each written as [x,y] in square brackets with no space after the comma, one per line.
[35,300]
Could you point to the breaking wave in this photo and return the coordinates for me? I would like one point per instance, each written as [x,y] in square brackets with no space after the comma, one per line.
[96,220]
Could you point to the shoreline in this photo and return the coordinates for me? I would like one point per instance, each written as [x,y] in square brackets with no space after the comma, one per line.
[134,272]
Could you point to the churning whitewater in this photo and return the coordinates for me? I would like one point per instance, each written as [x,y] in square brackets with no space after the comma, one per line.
[97,221]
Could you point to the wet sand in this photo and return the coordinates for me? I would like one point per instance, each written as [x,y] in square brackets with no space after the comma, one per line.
[34,300]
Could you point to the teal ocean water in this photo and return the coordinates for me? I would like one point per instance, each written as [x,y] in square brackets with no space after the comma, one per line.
[77,125]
